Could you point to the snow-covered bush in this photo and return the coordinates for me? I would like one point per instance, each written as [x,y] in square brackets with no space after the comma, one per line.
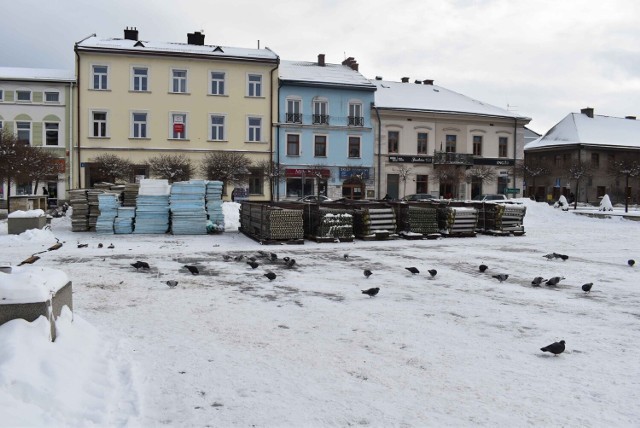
[562,203]
[605,204]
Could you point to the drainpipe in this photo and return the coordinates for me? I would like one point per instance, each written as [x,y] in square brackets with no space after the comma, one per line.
[515,136]
[379,148]
[69,184]
[278,144]
[271,118]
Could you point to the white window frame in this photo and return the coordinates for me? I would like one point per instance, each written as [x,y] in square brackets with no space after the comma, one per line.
[138,126]
[51,92]
[93,122]
[44,128]
[320,108]
[17,98]
[173,79]
[218,83]
[139,78]
[221,132]
[254,87]
[355,106]
[503,142]
[251,130]
[103,83]
[172,120]
[293,109]
[16,124]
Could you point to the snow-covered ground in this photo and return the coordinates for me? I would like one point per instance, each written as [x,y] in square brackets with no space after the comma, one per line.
[231,348]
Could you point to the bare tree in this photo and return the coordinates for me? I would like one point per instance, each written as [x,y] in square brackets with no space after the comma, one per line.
[576,172]
[404,171]
[41,164]
[171,167]
[13,154]
[231,168]
[449,175]
[483,173]
[271,172]
[530,170]
[627,168]
[113,167]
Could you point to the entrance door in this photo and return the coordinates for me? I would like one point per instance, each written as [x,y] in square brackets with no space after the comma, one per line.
[52,192]
[393,186]
[353,188]
[476,187]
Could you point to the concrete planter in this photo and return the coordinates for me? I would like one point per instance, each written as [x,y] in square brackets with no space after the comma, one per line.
[17,225]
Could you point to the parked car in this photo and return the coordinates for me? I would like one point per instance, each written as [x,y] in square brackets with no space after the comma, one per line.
[419,197]
[490,197]
[315,199]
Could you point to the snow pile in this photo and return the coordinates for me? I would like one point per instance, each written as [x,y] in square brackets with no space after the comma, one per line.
[605,204]
[30,284]
[231,211]
[27,214]
[562,203]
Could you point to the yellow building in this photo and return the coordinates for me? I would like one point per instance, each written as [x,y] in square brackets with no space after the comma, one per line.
[140,99]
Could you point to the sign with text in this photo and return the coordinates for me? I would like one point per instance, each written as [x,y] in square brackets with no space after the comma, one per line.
[493,161]
[411,159]
[348,172]
[511,190]
[307,172]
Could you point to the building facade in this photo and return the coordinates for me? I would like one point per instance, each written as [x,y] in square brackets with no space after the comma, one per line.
[324,134]
[140,99]
[433,140]
[36,105]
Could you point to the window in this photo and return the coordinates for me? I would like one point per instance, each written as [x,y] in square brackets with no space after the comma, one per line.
[52,97]
[502,147]
[255,182]
[254,82]
[255,129]
[217,127]
[179,126]
[179,81]
[595,160]
[354,147]
[451,143]
[320,146]
[1,95]
[423,140]
[24,131]
[139,125]
[100,73]
[355,114]
[477,145]
[293,114]
[558,160]
[23,96]
[293,145]
[393,139]
[51,133]
[422,182]
[217,83]
[320,113]
[140,79]
[99,124]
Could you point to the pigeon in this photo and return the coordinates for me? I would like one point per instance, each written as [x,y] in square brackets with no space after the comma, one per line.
[286,259]
[554,281]
[346,256]
[537,281]
[30,260]
[550,256]
[111,246]
[263,253]
[290,262]
[631,262]
[194,270]
[252,259]
[226,257]
[367,273]
[413,270]
[55,247]
[483,268]
[83,245]
[139,264]
[501,277]
[555,348]
[561,256]
[273,257]
[100,245]
[171,283]
[270,275]
[238,258]
[587,287]
[432,272]
[253,264]
[371,292]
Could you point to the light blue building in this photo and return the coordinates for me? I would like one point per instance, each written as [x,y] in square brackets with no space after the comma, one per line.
[325,142]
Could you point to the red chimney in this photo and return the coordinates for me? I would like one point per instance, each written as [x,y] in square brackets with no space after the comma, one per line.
[427,82]
[321,60]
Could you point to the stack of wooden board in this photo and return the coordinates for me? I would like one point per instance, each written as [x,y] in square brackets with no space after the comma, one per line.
[79,210]
[130,194]
[265,222]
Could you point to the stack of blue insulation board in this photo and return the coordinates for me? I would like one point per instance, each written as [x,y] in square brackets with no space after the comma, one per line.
[188,214]
[108,204]
[152,207]
[123,223]
[214,206]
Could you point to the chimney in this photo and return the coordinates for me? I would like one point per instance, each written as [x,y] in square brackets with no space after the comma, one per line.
[405,80]
[378,77]
[321,60]
[588,111]
[131,33]
[350,62]
[630,117]
[427,82]
[417,82]
[196,38]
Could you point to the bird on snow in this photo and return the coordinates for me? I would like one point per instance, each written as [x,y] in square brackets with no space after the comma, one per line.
[253,264]
[100,245]
[432,272]
[226,257]
[550,256]
[83,245]
[555,348]
[290,263]
[537,281]
[413,270]
[270,275]
[139,264]
[238,258]
[554,281]
[367,273]
[273,257]
[501,277]
[371,292]
[587,287]
[564,257]
[194,270]
[252,258]
[631,262]
[111,246]
[171,283]
[55,246]
[286,259]
[263,253]
[346,256]
[483,267]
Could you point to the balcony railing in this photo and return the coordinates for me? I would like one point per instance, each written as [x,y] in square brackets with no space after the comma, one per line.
[449,158]
[356,120]
[320,119]
[293,117]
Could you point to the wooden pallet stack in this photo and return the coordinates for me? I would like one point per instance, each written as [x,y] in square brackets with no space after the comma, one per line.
[79,210]
[130,194]
[328,224]
[457,221]
[374,223]
[500,218]
[267,223]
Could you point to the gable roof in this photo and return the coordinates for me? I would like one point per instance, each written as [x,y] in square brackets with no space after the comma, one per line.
[310,73]
[578,128]
[37,74]
[433,98]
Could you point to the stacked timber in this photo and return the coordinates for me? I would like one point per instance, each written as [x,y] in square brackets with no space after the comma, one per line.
[94,207]
[377,222]
[108,204]
[266,223]
[123,223]
[213,198]
[188,214]
[500,218]
[79,210]
[331,224]
[130,194]
[457,221]
[152,207]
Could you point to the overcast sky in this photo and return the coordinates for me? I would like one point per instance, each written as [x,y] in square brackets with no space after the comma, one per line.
[541,58]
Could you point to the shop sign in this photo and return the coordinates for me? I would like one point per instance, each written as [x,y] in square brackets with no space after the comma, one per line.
[348,172]
[308,173]
[411,159]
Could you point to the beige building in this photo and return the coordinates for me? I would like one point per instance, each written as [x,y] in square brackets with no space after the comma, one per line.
[433,140]
[139,99]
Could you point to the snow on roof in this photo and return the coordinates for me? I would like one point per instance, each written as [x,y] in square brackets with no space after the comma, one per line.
[99,43]
[330,74]
[432,98]
[47,74]
[578,128]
